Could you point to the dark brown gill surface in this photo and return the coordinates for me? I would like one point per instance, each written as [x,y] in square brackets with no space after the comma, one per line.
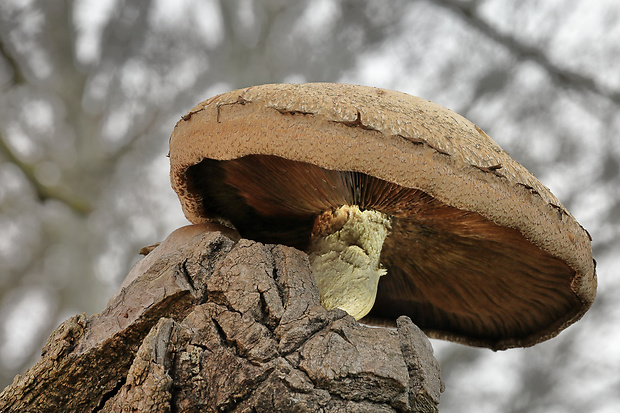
[457,274]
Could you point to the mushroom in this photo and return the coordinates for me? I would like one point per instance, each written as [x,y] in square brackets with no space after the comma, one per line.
[404,208]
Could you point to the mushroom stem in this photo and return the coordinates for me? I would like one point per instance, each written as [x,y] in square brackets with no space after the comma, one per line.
[344,255]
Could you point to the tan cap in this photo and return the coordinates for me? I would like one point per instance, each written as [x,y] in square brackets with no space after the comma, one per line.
[478,251]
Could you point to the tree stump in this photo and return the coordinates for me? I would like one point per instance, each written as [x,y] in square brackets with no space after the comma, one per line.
[208,322]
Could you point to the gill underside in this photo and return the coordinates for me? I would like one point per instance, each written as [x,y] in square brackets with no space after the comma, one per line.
[454,272]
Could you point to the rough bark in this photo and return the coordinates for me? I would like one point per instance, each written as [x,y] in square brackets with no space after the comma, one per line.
[207,322]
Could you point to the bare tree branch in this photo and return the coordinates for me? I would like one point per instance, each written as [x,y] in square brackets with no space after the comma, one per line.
[18,75]
[44,192]
[563,77]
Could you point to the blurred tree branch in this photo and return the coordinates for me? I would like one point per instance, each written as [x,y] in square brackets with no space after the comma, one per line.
[43,192]
[18,76]
[562,77]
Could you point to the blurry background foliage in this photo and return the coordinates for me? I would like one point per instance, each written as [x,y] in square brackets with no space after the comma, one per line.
[90,91]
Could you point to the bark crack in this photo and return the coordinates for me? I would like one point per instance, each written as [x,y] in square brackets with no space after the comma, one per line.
[110,394]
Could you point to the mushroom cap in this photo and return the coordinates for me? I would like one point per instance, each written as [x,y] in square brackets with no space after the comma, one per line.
[480,252]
